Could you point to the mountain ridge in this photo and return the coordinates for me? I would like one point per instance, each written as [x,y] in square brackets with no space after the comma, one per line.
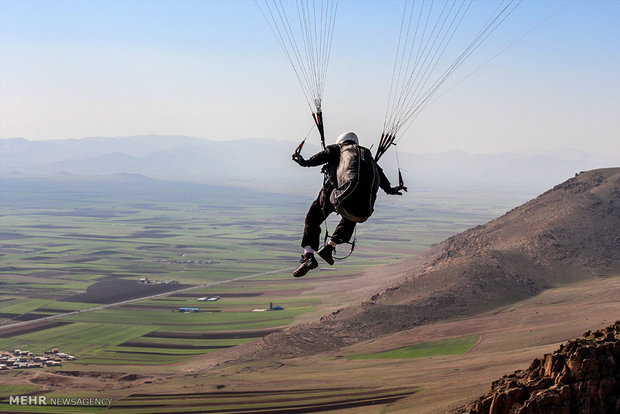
[566,234]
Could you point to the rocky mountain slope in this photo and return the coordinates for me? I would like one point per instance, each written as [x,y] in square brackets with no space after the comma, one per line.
[568,233]
[583,376]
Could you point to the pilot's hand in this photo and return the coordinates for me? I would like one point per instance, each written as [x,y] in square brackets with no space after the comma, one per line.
[396,190]
[299,159]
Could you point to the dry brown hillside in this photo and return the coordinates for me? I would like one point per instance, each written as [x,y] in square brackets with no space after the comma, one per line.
[568,233]
[583,376]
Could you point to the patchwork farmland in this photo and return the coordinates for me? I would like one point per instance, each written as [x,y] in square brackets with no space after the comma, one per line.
[73,256]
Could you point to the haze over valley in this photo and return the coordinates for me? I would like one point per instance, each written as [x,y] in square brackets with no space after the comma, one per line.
[263,164]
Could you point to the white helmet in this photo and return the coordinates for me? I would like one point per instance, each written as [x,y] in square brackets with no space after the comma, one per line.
[347,136]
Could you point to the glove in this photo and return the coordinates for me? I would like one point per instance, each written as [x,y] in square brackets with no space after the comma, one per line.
[299,159]
[395,191]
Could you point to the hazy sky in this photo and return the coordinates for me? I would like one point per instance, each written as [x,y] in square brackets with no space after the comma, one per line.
[213,69]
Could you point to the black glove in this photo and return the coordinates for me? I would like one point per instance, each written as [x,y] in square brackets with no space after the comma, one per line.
[299,159]
[395,191]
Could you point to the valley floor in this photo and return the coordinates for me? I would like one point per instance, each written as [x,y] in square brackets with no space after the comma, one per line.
[509,339]
[148,357]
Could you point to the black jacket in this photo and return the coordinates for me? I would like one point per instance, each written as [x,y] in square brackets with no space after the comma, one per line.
[330,158]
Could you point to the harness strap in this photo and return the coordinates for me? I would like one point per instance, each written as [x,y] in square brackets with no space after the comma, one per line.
[352,243]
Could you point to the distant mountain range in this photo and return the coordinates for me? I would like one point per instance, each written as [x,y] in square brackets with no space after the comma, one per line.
[266,164]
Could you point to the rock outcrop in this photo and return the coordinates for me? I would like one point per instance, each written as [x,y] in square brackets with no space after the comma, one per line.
[582,376]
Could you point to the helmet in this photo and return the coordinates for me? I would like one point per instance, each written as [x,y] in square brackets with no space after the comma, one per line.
[347,136]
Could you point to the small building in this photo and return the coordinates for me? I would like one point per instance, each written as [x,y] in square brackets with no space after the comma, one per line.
[273,308]
[50,363]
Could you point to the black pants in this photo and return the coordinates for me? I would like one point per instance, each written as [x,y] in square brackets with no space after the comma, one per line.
[317,213]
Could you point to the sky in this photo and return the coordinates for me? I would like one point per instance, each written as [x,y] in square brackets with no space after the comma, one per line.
[213,69]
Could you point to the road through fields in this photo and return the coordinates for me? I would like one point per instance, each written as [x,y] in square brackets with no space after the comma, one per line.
[111,305]
[157,295]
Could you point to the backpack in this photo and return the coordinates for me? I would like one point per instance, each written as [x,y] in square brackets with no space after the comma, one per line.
[357,183]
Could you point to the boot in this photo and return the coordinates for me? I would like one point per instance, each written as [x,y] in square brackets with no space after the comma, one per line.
[326,252]
[308,262]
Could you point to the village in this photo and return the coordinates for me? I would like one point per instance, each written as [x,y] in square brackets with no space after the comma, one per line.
[186,261]
[147,281]
[18,359]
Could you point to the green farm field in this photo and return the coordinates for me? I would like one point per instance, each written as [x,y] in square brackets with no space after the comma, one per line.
[451,346]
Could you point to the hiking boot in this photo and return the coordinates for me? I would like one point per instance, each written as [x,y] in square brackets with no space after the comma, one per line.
[308,262]
[326,252]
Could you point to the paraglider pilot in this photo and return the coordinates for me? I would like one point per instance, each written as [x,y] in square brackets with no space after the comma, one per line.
[322,207]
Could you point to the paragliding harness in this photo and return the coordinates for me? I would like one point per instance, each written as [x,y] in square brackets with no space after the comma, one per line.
[357,183]
[318,121]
